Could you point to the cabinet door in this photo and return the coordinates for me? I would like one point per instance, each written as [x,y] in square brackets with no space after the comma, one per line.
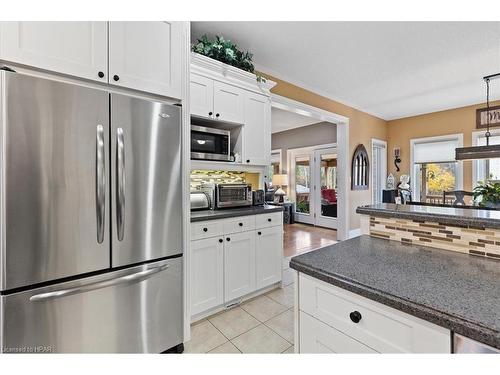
[229,103]
[239,265]
[146,56]
[201,96]
[268,255]
[207,275]
[257,130]
[74,48]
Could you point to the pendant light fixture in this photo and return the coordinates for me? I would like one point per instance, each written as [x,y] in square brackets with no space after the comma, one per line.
[481,152]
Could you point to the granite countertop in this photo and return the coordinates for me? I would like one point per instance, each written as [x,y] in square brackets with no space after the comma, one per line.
[445,215]
[457,291]
[232,212]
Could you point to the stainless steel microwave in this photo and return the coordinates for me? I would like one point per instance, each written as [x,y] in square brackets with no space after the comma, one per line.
[210,143]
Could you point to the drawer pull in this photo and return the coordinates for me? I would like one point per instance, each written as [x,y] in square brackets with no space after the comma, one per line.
[228,239]
[259,233]
[240,224]
[220,240]
[355,316]
[205,229]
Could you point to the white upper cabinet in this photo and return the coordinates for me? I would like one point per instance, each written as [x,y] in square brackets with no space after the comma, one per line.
[268,255]
[74,48]
[229,102]
[257,130]
[216,100]
[202,96]
[146,56]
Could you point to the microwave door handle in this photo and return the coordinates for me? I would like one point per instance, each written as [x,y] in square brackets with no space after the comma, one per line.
[100,183]
[127,279]
[120,183]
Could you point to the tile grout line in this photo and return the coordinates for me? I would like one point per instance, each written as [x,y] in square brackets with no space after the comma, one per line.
[277,332]
[218,330]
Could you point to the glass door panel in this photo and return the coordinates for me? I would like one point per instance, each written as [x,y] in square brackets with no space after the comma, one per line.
[325,192]
[303,185]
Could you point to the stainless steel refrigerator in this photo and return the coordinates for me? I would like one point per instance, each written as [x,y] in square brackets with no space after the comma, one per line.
[91,220]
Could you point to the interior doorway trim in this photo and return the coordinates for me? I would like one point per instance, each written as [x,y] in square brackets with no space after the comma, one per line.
[342,122]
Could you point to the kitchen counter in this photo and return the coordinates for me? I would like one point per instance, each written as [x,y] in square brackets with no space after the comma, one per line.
[232,212]
[457,291]
[444,215]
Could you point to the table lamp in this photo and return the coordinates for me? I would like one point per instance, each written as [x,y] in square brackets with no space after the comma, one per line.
[280,180]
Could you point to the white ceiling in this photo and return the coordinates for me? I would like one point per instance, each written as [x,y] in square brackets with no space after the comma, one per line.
[389,69]
[282,120]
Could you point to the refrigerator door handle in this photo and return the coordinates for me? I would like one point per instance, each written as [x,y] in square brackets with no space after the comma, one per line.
[120,183]
[127,279]
[100,183]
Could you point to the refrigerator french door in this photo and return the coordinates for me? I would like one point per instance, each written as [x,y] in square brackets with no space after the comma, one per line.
[90,249]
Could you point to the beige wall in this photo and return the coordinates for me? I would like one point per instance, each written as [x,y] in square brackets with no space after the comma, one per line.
[362,128]
[453,121]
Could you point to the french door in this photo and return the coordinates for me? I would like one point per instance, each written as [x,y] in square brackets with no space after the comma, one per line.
[314,186]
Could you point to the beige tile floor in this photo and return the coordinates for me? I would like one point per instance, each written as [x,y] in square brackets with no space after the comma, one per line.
[261,325]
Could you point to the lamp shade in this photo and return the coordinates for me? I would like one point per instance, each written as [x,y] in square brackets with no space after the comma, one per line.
[280,179]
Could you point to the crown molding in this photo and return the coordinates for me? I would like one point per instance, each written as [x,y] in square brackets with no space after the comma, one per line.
[214,69]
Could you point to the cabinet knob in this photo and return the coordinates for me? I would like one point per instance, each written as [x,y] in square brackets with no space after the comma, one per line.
[116,78]
[269,219]
[217,115]
[205,229]
[240,224]
[228,239]
[259,233]
[101,74]
[210,113]
[355,316]
[220,240]
[248,160]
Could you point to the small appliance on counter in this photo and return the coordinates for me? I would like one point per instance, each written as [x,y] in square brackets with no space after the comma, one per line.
[199,200]
[258,197]
[210,144]
[222,196]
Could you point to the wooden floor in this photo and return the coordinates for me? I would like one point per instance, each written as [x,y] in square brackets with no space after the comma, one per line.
[301,238]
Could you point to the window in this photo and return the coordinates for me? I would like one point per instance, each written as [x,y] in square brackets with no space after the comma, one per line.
[275,167]
[434,168]
[487,169]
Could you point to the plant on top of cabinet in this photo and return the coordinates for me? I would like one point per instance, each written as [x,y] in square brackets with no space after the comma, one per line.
[225,51]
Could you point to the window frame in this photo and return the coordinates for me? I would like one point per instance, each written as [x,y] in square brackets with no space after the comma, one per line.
[479,166]
[459,177]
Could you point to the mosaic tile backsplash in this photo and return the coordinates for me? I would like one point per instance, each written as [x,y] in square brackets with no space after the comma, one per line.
[200,177]
[464,239]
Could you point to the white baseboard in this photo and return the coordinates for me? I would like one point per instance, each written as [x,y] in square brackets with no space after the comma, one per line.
[355,233]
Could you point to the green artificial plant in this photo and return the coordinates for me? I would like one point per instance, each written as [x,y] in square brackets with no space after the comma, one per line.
[487,194]
[225,51]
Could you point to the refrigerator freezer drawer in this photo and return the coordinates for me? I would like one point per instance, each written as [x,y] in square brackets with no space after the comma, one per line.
[135,310]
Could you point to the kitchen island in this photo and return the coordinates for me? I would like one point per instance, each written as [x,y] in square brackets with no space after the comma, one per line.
[418,279]
[361,288]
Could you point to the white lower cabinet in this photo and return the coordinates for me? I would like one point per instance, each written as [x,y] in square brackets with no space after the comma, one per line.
[345,322]
[206,274]
[318,337]
[230,259]
[239,265]
[268,255]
